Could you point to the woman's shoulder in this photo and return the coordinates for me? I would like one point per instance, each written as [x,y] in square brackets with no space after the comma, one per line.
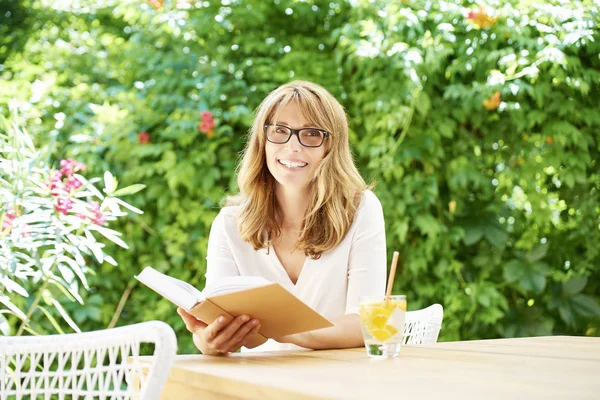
[369,201]
[227,217]
[369,210]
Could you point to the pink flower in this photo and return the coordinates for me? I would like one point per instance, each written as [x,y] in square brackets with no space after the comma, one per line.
[72,184]
[56,185]
[7,221]
[70,166]
[63,205]
[98,217]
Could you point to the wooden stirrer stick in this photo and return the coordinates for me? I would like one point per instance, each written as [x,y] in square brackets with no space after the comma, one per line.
[388,292]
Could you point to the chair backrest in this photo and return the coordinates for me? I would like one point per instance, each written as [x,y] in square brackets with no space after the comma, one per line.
[423,326]
[92,365]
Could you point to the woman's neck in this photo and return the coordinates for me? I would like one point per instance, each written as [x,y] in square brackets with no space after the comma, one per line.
[293,205]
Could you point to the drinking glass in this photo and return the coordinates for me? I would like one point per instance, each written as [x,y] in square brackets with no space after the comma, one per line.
[383,324]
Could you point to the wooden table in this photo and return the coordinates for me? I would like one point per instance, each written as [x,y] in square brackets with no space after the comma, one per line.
[557,367]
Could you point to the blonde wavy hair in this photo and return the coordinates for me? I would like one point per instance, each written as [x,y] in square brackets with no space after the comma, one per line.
[336,185]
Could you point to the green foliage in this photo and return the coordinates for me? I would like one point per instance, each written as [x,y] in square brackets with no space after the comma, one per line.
[491,199]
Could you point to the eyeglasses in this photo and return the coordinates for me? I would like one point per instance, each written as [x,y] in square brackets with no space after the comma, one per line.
[308,137]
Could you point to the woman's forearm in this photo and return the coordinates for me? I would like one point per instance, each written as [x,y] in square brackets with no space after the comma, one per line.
[344,333]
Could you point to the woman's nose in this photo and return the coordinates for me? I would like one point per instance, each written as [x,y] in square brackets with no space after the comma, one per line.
[294,143]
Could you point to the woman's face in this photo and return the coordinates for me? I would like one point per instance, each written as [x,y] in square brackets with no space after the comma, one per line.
[291,164]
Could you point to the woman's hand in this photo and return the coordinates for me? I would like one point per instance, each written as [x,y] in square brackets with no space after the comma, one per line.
[219,337]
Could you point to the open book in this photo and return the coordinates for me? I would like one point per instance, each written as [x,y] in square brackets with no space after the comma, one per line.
[280,312]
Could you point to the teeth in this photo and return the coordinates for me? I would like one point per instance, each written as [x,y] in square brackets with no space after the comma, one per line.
[292,164]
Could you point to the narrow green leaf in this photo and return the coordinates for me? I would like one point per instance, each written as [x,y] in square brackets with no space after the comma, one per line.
[65,315]
[76,268]
[129,190]
[111,235]
[129,206]
[12,307]
[4,326]
[51,319]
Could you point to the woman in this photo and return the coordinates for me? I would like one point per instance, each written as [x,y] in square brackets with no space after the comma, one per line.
[304,218]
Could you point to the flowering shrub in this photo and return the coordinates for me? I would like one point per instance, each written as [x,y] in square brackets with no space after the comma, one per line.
[51,223]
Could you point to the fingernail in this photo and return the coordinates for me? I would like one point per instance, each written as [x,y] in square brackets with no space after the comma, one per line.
[255,322]
[245,318]
[221,319]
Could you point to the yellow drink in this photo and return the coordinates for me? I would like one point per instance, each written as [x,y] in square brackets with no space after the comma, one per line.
[383,324]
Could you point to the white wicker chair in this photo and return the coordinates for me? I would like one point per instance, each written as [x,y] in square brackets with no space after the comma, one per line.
[92,365]
[423,326]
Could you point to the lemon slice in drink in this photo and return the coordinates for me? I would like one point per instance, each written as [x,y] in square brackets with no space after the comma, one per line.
[383,334]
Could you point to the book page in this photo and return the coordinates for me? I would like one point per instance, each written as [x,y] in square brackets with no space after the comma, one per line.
[231,284]
[177,291]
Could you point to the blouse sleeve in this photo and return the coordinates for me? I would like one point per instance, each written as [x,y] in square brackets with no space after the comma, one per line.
[367,260]
[219,259]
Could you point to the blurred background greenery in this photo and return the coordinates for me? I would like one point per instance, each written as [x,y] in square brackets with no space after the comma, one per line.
[478,121]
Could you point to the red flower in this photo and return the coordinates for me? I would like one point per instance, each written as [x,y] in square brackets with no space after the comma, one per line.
[208,124]
[206,116]
[144,137]
[481,18]
[549,140]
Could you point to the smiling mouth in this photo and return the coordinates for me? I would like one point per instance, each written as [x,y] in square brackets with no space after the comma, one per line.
[292,164]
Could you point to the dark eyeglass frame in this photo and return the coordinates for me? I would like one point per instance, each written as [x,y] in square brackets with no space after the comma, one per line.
[297,133]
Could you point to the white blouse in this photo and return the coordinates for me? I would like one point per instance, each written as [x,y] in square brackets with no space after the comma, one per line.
[331,285]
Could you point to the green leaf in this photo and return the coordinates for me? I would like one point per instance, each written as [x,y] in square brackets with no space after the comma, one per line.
[77,269]
[4,326]
[513,270]
[534,277]
[129,190]
[428,225]
[496,235]
[586,306]
[65,315]
[423,103]
[537,253]
[566,314]
[574,286]
[128,206]
[110,183]
[472,234]
[111,235]
[51,319]
[532,281]
[13,308]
